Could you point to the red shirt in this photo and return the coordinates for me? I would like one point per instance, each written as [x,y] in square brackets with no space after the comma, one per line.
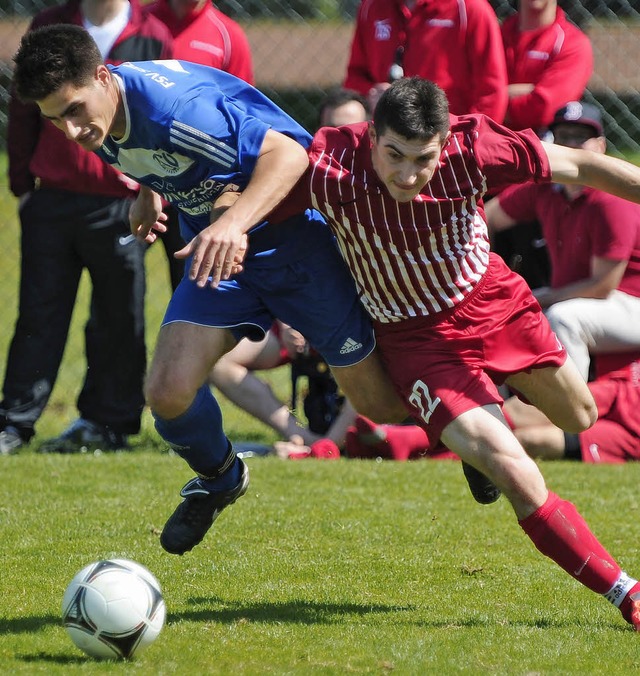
[38,150]
[557,59]
[594,224]
[426,256]
[209,37]
[454,43]
[617,396]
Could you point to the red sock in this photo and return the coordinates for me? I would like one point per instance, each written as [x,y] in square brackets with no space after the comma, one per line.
[559,532]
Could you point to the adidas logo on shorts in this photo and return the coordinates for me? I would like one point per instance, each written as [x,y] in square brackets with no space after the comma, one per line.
[350,345]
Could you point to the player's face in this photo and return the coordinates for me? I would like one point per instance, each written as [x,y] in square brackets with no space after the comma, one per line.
[404,166]
[84,114]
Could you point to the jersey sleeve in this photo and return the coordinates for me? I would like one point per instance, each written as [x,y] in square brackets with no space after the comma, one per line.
[509,157]
[218,132]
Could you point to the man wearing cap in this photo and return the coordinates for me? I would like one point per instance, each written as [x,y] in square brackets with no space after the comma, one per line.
[593,240]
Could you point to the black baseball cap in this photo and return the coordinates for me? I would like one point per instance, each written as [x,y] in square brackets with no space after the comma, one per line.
[577,112]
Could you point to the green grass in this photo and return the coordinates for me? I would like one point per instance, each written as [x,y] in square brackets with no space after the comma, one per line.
[322,568]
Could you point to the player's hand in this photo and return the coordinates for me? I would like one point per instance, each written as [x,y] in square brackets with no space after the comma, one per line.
[146,217]
[519,89]
[216,252]
[293,341]
[219,250]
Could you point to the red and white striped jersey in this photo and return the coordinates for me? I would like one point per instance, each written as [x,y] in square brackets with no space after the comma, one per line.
[423,257]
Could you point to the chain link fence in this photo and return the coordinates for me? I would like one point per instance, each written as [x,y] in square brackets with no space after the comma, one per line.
[300,49]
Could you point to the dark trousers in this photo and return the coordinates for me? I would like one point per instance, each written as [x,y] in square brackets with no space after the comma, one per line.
[172,242]
[62,233]
[524,250]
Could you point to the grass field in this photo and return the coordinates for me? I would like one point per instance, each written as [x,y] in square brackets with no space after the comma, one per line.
[349,567]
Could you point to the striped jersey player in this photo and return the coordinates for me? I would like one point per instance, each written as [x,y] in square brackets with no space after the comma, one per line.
[404,198]
[424,256]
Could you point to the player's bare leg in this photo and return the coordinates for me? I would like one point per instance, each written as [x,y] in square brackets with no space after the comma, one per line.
[539,437]
[370,390]
[560,393]
[482,437]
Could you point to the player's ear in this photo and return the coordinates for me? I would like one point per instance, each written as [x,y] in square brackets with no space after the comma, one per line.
[372,133]
[103,74]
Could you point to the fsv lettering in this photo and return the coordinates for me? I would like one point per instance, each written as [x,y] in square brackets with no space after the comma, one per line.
[162,80]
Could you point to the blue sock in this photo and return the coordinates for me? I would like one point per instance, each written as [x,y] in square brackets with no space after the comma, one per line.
[198,437]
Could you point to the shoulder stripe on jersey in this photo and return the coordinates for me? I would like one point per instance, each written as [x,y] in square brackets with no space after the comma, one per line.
[193,139]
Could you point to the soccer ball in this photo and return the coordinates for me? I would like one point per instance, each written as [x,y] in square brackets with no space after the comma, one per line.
[113,609]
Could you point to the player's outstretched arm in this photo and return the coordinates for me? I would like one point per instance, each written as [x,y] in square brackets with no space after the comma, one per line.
[281,162]
[603,172]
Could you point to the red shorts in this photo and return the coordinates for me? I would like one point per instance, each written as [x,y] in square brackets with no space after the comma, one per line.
[446,365]
[609,442]
[615,437]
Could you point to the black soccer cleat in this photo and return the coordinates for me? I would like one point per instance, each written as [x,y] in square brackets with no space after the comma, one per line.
[193,517]
[482,488]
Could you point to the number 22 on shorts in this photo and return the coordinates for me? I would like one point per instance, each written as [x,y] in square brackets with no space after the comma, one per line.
[421,400]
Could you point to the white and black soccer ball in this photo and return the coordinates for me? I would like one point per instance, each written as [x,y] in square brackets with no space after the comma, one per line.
[113,609]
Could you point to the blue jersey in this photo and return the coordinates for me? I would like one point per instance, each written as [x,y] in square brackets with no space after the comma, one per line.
[191,132]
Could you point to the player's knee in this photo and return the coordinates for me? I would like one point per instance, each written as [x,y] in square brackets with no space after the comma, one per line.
[585,415]
[168,399]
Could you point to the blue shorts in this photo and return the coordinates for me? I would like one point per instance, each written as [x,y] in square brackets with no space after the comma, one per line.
[294,273]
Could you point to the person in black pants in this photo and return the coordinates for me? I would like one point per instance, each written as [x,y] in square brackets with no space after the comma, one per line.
[74,215]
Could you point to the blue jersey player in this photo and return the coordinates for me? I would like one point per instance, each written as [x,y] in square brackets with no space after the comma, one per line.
[189,133]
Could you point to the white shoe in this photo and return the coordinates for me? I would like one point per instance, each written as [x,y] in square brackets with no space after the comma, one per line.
[10,440]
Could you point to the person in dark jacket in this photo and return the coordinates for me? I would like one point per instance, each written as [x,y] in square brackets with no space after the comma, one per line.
[74,214]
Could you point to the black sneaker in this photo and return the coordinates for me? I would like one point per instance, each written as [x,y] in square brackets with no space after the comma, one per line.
[482,488]
[193,517]
[84,436]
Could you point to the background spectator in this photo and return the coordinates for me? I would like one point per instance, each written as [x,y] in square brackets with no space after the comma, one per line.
[549,62]
[342,106]
[203,34]
[615,436]
[74,215]
[593,239]
[454,43]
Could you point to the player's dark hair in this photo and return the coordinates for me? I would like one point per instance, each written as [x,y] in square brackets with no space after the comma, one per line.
[414,108]
[339,96]
[52,56]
